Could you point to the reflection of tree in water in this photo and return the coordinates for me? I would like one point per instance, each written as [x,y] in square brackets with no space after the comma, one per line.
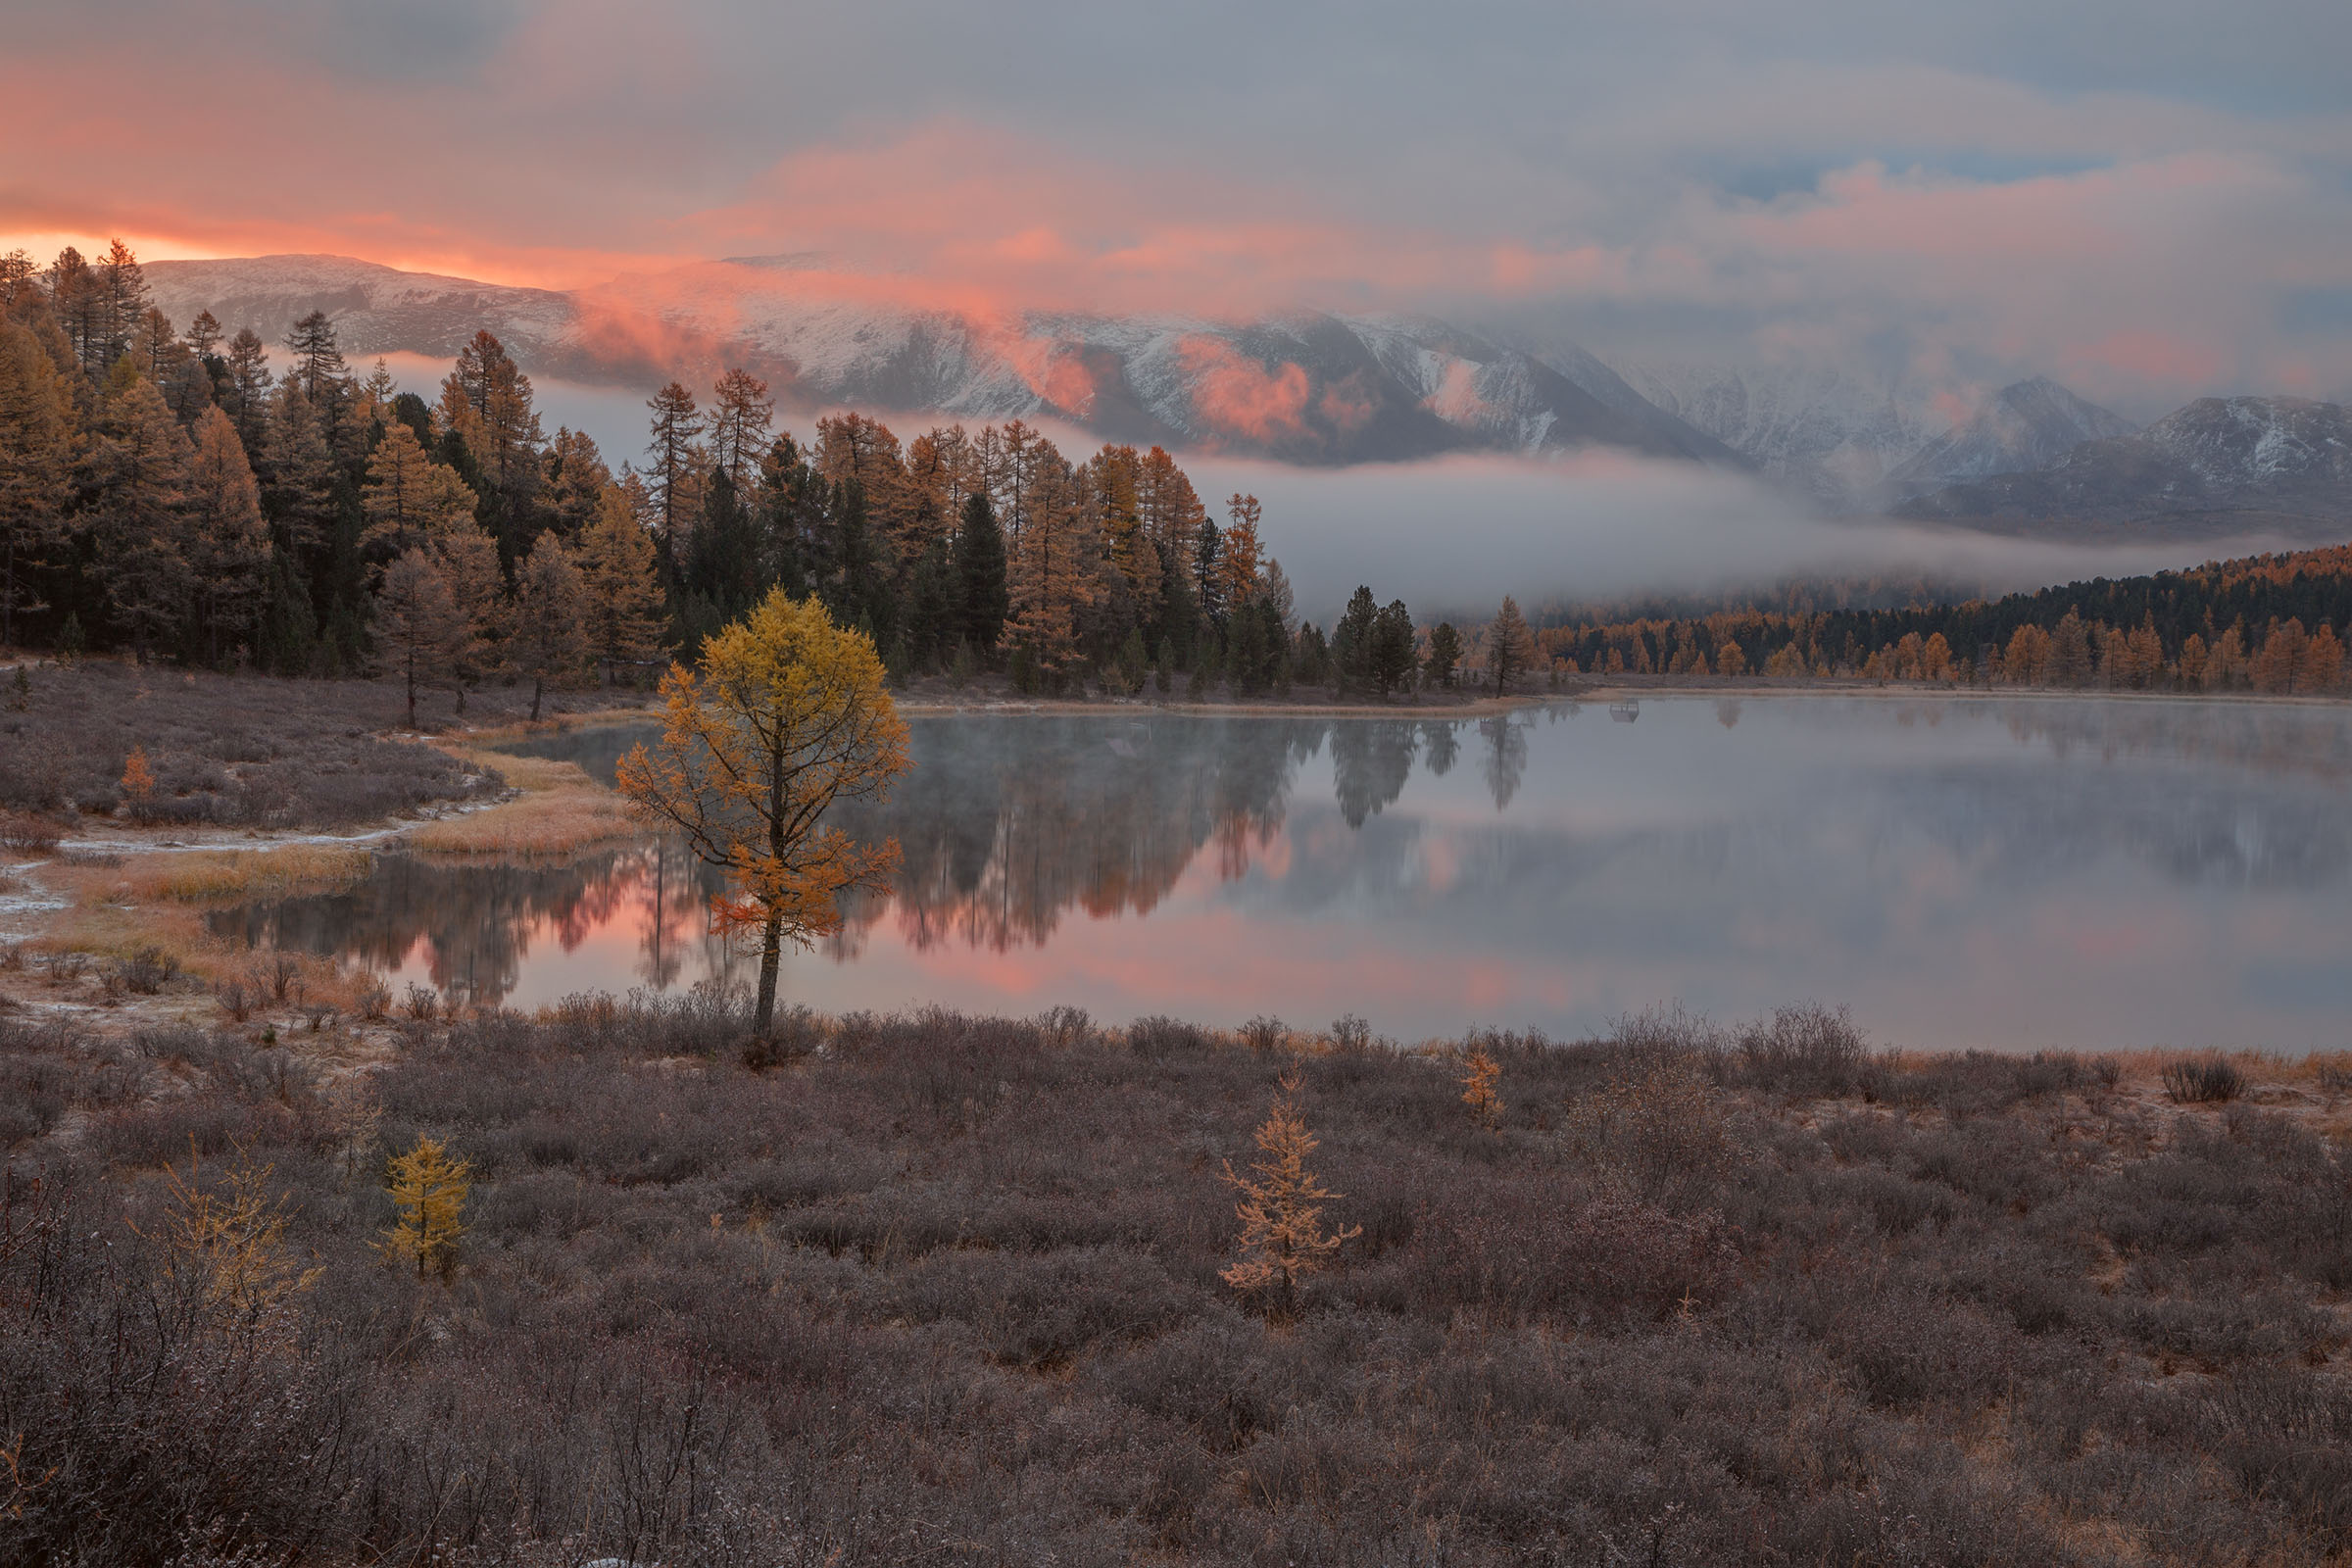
[1506,761]
[479,920]
[1003,826]
[2269,738]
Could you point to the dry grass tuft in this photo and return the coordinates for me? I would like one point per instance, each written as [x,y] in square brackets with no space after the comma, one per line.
[219,876]
[561,809]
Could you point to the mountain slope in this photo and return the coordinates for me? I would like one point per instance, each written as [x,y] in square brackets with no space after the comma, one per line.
[1828,435]
[2218,465]
[1303,387]
[2026,425]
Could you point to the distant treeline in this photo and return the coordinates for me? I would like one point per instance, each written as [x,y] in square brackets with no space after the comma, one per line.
[180,494]
[2265,623]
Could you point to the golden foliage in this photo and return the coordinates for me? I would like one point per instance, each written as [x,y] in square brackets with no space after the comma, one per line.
[230,1242]
[138,779]
[1478,1084]
[785,714]
[1281,1211]
[430,1188]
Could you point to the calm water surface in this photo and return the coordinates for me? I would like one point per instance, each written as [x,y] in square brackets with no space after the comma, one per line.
[2002,874]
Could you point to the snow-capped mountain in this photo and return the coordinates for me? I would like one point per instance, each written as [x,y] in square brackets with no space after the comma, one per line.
[1304,386]
[2218,465]
[1831,436]
[2026,425]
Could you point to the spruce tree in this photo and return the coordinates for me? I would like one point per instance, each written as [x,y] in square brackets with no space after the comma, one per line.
[1351,639]
[1393,647]
[980,574]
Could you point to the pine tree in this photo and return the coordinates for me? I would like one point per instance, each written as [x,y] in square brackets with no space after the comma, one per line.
[429,1189]
[1351,639]
[1281,1210]
[1392,661]
[421,633]
[980,574]
[550,603]
[317,360]
[1510,646]
[37,461]
[140,468]
[1445,655]
[227,538]
[622,618]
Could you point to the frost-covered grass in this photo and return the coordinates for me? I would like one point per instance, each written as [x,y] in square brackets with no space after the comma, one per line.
[941,1288]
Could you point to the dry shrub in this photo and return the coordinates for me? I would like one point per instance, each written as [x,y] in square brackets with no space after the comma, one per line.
[1656,1129]
[1539,1248]
[2207,1080]
[1263,1033]
[24,834]
[1808,1050]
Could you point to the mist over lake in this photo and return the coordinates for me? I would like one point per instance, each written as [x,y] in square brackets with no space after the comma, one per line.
[2005,873]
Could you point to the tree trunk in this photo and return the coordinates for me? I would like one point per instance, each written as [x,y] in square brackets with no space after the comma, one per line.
[538,684]
[411,672]
[772,954]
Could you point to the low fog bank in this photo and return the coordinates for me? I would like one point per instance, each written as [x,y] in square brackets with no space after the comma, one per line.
[1453,535]
[1450,536]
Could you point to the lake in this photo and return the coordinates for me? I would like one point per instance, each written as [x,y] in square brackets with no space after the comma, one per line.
[2003,873]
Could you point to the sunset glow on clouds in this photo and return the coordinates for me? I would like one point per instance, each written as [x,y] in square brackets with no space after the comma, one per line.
[2147,200]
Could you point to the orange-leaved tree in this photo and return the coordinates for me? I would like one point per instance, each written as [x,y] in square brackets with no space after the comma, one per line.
[784,713]
[1479,1091]
[1282,1210]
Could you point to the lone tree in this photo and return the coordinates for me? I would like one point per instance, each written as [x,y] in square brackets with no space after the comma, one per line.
[421,633]
[428,1188]
[784,715]
[1510,646]
[1281,1210]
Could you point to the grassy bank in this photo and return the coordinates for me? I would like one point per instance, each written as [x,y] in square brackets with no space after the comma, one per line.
[948,1290]
[558,808]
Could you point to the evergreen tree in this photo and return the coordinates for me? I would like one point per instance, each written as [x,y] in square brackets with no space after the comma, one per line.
[299,475]
[1352,640]
[289,629]
[933,621]
[122,306]
[140,464]
[1445,656]
[36,459]
[980,574]
[228,539]
[1391,658]
[245,391]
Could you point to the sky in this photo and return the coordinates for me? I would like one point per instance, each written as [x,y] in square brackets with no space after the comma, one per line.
[2147,200]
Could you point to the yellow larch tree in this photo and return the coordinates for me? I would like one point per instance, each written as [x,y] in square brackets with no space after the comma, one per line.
[409,498]
[428,1187]
[1281,1208]
[784,713]
[1480,1078]
[618,577]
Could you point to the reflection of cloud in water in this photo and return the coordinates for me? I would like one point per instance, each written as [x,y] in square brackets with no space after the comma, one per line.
[1965,872]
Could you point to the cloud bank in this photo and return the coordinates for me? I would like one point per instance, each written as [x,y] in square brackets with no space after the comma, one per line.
[2148,201]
